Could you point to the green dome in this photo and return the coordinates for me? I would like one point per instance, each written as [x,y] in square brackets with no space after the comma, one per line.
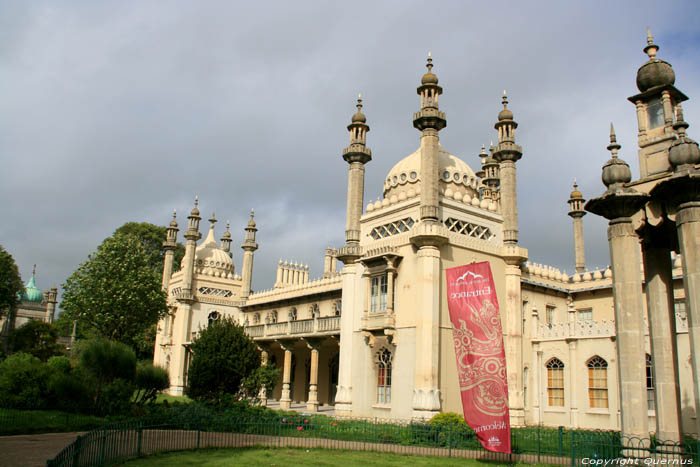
[32,293]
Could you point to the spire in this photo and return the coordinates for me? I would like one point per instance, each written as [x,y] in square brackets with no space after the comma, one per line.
[429,116]
[212,220]
[650,48]
[684,152]
[358,128]
[193,222]
[34,271]
[616,172]
[613,147]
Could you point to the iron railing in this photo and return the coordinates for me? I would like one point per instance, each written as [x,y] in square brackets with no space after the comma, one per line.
[121,441]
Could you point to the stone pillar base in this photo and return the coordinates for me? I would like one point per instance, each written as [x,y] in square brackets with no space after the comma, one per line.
[343,409]
[424,414]
[176,391]
[517,417]
[312,406]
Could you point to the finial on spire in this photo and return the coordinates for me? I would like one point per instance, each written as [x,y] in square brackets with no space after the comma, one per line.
[212,219]
[651,48]
[575,184]
[196,201]
[613,147]
[359,102]
[504,101]
[228,225]
[174,214]
[429,65]
[34,270]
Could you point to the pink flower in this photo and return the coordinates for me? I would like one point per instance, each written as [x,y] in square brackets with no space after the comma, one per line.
[300,428]
[306,421]
[284,420]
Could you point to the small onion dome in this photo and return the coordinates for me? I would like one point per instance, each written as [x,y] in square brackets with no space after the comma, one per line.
[616,171]
[251,222]
[429,77]
[684,151]
[32,292]
[195,210]
[359,117]
[576,194]
[505,114]
[173,223]
[654,73]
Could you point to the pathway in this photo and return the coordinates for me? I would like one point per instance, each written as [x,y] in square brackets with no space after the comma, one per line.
[32,450]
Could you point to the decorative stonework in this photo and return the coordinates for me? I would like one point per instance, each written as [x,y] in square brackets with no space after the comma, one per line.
[469,229]
[392,228]
[215,292]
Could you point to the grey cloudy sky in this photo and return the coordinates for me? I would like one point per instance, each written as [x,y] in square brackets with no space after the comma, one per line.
[121,111]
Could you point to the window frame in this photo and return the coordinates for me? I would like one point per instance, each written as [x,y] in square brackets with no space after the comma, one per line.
[555,383]
[598,383]
[384,365]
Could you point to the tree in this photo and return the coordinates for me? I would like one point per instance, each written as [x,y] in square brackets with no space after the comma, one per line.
[10,282]
[115,293]
[223,357]
[37,338]
[152,237]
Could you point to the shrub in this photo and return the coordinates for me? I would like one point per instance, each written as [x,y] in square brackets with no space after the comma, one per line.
[112,368]
[24,381]
[37,338]
[59,364]
[223,356]
[149,381]
[70,392]
[116,397]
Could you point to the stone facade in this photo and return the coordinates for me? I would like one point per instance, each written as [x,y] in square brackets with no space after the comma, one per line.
[373,338]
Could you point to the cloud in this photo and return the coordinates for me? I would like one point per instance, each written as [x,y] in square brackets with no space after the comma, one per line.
[123,111]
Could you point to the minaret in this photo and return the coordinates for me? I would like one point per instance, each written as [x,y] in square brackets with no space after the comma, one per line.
[576,212]
[169,246]
[357,154]
[656,104]
[249,246]
[491,177]
[192,235]
[226,239]
[429,120]
[507,153]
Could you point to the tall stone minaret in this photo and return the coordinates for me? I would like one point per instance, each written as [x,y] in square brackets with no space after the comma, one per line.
[507,153]
[429,120]
[357,154]
[576,212]
[192,235]
[169,246]
[249,246]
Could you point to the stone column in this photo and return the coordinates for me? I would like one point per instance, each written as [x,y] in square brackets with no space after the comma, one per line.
[512,334]
[179,352]
[349,322]
[390,270]
[573,367]
[629,323]
[662,334]
[356,189]
[312,403]
[285,400]
[51,301]
[509,202]
[426,392]
[429,174]
[168,267]
[688,226]
[264,358]
[537,383]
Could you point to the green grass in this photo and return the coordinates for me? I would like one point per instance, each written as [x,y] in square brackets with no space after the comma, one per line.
[306,457]
[167,397]
[13,422]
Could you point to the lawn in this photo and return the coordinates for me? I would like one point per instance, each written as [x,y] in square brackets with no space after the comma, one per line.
[305,457]
[13,422]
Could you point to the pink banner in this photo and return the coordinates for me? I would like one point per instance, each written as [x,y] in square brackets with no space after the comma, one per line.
[481,358]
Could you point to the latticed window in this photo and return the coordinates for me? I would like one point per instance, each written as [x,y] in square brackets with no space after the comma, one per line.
[651,403]
[549,314]
[468,228]
[598,383]
[392,228]
[215,292]
[555,382]
[384,377]
[378,291]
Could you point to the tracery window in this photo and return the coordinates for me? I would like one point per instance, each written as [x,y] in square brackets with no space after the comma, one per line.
[549,314]
[555,382]
[384,377]
[256,318]
[337,308]
[392,228]
[315,312]
[293,314]
[651,402]
[215,292]
[469,229]
[598,383]
[378,292]
[213,316]
[271,317]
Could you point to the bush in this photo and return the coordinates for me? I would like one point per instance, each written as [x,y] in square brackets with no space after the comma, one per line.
[149,381]
[59,364]
[24,382]
[116,397]
[112,368]
[70,392]
[37,338]
[223,356]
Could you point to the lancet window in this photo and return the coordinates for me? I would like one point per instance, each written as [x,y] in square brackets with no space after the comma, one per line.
[555,382]
[598,383]
[384,377]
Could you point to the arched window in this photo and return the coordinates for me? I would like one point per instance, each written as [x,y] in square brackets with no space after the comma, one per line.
[555,382]
[384,377]
[293,314]
[651,404]
[315,313]
[213,316]
[598,383]
[337,308]
[271,317]
[256,318]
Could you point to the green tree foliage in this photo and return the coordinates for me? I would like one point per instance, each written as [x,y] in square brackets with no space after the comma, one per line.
[10,282]
[152,237]
[115,293]
[37,338]
[24,382]
[149,380]
[223,357]
[112,368]
[263,377]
